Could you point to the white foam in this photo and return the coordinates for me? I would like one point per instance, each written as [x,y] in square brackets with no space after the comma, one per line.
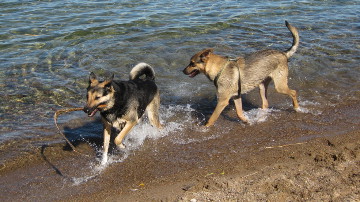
[170,121]
[259,115]
[90,172]
[309,107]
[79,180]
[118,158]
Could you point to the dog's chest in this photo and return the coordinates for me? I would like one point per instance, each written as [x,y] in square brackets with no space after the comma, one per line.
[115,121]
[119,124]
[111,118]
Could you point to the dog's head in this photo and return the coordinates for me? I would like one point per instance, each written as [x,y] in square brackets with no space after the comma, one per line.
[100,95]
[198,63]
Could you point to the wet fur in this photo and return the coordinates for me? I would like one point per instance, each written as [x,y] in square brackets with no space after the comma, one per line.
[122,103]
[235,77]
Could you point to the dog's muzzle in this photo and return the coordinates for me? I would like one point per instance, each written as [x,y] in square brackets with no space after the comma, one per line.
[90,111]
[191,74]
[194,73]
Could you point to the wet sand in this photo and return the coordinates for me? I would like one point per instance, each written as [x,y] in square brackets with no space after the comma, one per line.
[292,156]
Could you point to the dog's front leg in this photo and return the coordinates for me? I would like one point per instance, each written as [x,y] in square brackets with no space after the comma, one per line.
[222,103]
[239,110]
[128,126]
[107,133]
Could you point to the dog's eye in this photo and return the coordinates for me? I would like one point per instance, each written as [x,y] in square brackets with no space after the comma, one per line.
[97,97]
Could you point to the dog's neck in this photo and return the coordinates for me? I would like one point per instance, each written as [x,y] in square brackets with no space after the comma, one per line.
[215,65]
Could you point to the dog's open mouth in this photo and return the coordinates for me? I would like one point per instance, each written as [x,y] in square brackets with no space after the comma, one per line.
[93,112]
[194,73]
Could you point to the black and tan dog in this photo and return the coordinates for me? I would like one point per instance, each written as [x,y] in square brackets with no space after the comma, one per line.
[122,103]
[238,76]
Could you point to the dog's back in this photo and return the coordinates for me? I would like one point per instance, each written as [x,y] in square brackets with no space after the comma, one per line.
[257,66]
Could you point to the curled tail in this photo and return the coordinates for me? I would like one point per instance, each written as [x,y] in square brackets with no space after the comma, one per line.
[142,69]
[296,39]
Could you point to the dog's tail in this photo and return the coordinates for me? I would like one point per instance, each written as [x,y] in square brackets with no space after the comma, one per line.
[142,69]
[296,40]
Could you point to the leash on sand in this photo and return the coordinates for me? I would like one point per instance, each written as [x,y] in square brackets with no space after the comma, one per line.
[56,115]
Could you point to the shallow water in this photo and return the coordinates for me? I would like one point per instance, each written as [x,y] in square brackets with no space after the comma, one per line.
[47,50]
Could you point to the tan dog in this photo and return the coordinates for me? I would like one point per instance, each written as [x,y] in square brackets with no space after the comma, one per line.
[238,76]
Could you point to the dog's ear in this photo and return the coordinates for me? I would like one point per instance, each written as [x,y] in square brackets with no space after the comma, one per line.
[107,82]
[92,78]
[205,53]
[110,78]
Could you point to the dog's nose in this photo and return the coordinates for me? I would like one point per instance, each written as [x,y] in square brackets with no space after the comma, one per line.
[86,109]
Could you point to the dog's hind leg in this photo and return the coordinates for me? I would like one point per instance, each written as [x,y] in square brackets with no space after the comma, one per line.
[153,111]
[281,85]
[263,92]
[128,126]
[222,103]
[239,110]
[107,133]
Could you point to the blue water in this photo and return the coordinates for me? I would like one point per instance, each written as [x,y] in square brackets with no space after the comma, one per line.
[48,48]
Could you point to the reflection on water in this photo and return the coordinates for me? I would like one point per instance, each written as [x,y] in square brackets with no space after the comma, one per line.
[47,50]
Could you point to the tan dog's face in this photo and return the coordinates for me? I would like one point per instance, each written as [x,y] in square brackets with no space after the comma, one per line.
[197,63]
[99,94]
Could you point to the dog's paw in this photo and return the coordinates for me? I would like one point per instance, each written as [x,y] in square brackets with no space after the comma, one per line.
[208,124]
[244,119]
[121,146]
[104,160]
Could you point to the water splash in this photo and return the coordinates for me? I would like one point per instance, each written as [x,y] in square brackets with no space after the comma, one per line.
[90,172]
[259,115]
[309,107]
[171,124]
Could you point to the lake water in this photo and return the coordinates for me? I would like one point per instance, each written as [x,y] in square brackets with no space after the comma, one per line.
[48,49]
